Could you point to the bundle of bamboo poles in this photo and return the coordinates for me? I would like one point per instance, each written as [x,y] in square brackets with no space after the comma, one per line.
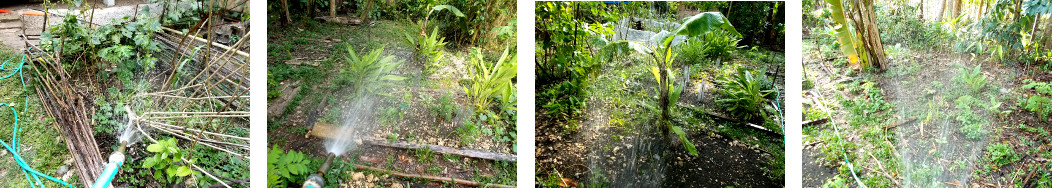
[69,107]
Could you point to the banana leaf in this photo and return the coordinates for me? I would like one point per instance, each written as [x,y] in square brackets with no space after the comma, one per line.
[448,7]
[843,33]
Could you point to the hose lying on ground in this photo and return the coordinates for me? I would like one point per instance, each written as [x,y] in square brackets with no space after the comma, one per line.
[30,173]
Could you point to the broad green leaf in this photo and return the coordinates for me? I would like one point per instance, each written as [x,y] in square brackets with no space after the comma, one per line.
[448,7]
[183,171]
[843,33]
[149,162]
[656,73]
[686,143]
[392,78]
[155,148]
[701,24]
[621,48]
[171,170]
[674,94]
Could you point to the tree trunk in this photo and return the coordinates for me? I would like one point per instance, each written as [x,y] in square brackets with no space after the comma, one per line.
[1048,33]
[921,15]
[332,8]
[364,14]
[867,28]
[285,6]
[663,102]
[981,6]
[310,8]
[942,10]
[957,9]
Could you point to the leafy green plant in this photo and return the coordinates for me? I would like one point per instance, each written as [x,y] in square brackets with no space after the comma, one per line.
[974,79]
[468,132]
[443,107]
[720,44]
[428,49]
[181,11]
[286,168]
[128,44]
[489,81]
[743,93]
[427,18]
[691,51]
[1040,103]
[368,73]
[425,155]
[107,116]
[1001,154]
[662,56]
[166,161]
[973,124]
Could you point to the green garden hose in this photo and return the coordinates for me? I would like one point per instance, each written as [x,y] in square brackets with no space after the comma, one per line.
[30,173]
[832,121]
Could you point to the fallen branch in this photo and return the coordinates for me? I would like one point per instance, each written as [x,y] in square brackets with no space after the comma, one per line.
[442,149]
[813,143]
[325,130]
[750,125]
[816,122]
[432,178]
[892,126]
[884,171]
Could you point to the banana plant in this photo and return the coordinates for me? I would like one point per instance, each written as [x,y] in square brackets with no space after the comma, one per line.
[844,35]
[489,82]
[660,50]
[427,17]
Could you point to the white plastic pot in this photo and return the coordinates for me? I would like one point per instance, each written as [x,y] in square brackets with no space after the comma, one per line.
[108,2]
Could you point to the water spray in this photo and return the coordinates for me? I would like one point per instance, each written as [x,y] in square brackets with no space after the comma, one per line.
[116,159]
[317,180]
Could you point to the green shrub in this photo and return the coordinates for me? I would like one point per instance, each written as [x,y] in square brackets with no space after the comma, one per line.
[973,125]
[368,73]
[166,163]
[742,92]
[1040,103]
[691,52]
[284,169]
[719,44]
[428,49]
[906,28]
[468,132]
[1001,154]
[564,101]
[974,79]
[444,107]
[128,44]
[490,80]
[107,116]
[711,46]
